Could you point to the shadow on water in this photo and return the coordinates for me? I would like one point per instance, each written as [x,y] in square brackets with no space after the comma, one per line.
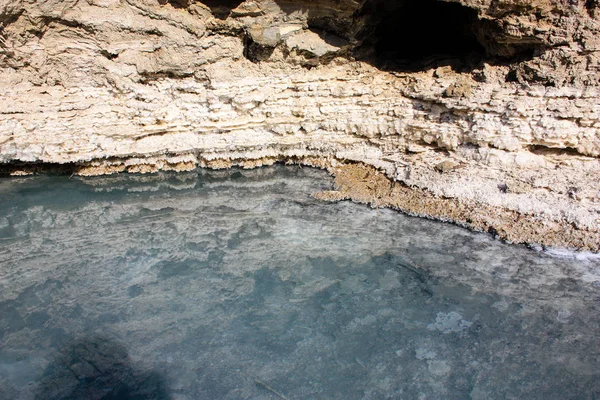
[98,368]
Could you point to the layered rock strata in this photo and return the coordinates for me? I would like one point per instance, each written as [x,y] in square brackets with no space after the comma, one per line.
[489,106]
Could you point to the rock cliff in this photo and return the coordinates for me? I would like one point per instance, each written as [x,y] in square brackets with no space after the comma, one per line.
[481,112]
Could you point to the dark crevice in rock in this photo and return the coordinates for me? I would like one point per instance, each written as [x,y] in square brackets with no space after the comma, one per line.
[591,6]
[176,3]
[220,8]
[16,168]
[147,77]
[108,55]
[550,151]
[145,31]
[512,76]
[256,52]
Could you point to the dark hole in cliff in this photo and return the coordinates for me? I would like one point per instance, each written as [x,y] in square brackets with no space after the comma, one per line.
[222,8]
[256,52]
[416,35]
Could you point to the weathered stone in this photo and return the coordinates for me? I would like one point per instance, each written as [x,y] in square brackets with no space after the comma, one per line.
[142,85]
[446,166]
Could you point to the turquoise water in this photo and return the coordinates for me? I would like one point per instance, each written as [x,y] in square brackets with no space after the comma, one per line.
[239,285]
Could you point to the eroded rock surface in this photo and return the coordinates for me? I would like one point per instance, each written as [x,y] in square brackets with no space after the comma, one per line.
[493,104]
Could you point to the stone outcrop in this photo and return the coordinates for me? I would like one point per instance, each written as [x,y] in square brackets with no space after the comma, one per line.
[490,104]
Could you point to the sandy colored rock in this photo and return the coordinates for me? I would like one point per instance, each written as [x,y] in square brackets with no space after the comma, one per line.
[366,185]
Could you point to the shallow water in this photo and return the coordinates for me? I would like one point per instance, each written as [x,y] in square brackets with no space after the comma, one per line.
[238,285]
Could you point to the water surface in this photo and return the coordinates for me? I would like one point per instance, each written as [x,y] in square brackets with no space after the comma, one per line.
[239,285]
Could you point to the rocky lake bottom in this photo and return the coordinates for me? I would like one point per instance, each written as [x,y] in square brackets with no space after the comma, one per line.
[238,284]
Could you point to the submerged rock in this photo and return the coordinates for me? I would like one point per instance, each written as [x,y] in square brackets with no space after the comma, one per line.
[239,285]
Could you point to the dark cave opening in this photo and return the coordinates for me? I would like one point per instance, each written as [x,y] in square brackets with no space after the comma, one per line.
[410,35]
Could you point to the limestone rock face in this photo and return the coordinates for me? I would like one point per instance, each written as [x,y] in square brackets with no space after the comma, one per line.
[505,91]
